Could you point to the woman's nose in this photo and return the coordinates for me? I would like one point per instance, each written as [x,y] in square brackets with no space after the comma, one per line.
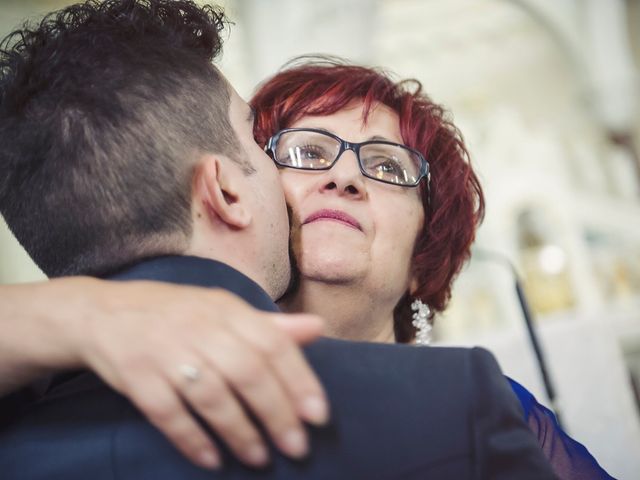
[345,177]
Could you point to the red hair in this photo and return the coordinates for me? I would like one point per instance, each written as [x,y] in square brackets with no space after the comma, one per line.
[454,206]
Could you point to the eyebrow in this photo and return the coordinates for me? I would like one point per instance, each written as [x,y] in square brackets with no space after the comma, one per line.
[375,138]
[382,139]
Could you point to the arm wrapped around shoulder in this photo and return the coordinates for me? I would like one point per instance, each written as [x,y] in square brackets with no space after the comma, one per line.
[505,445]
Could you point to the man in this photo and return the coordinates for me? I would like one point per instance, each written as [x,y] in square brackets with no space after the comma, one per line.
[128,156]
[106,219]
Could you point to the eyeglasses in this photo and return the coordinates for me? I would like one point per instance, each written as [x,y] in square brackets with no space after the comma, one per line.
[313,149]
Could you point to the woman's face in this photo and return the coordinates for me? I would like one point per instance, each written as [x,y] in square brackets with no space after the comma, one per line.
[347,228]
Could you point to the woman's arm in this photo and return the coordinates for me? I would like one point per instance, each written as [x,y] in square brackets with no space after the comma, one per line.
[135,335]
[570,459]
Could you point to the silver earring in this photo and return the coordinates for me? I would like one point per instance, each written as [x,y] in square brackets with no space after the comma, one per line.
[421,322]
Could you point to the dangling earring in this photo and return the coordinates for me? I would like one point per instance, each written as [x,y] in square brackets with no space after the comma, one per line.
[421,322]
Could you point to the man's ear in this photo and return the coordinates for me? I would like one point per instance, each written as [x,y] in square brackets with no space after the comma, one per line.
[218,190]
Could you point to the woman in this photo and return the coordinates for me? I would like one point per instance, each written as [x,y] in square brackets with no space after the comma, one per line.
[418,229]
[385,207]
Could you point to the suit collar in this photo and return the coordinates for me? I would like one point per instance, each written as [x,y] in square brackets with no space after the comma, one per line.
[196,271]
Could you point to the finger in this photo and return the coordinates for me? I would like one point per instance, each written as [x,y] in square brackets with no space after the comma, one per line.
[301,328]
[210,397]
[163,408]
[294,373]
[250,376]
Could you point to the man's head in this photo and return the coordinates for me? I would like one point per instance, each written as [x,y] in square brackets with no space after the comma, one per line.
[107,110]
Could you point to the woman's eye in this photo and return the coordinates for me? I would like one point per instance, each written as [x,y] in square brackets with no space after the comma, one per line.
[303,152]
[311,152]
[313,156]
[386,165]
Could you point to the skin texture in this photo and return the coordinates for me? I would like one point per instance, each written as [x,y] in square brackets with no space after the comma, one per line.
[364,271]
[252,204]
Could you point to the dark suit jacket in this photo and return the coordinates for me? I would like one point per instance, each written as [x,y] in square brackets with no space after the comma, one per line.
[398,412]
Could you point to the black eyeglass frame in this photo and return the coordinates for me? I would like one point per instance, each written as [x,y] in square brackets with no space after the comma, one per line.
[270,148]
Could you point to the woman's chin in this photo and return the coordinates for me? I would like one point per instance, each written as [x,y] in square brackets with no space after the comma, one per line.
[338,269]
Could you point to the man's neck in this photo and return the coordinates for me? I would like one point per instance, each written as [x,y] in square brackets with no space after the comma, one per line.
[232,253]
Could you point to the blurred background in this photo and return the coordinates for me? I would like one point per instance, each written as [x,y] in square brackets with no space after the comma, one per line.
[547,95]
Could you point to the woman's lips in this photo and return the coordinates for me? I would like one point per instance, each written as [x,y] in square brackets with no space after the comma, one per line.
[335,215]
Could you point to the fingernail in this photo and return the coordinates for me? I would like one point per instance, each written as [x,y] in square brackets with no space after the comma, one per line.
[257,455]
[315,410]
[210,460]
[295,443]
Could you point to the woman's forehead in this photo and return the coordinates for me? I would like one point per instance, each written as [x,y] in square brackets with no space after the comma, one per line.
[379,120]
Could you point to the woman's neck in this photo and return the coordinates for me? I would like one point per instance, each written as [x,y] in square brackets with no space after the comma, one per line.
[350,314]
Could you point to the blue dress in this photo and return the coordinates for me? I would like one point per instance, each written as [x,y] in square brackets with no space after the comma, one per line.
[570,460]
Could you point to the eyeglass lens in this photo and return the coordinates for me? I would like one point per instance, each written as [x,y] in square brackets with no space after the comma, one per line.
[380,161]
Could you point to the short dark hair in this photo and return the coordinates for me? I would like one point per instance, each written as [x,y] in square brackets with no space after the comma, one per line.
[104,106]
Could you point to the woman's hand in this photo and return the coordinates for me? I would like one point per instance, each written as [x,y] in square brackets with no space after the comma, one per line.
[173,348]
